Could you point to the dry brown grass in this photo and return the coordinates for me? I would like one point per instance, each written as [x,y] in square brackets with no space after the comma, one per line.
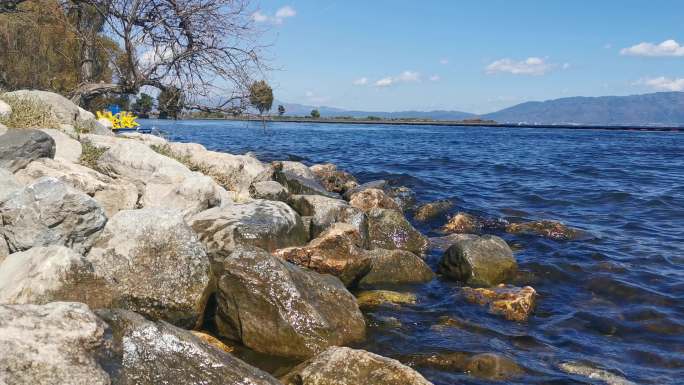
[28,112]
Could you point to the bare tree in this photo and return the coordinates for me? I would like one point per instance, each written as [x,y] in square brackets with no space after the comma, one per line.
[207,49]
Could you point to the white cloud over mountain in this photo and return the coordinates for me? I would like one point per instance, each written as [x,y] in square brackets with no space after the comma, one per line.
[663,83]
[530,66]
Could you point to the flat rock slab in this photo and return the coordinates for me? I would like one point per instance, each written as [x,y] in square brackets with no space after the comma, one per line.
[20,147]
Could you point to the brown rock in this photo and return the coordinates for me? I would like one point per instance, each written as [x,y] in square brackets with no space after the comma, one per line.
[388,229]
[432,210]
[211,340]
[395,267]
[336,251]
[332,179]
[373,198]
[462,223]
[492,366]
[549,229]
[370,298]
[514,303]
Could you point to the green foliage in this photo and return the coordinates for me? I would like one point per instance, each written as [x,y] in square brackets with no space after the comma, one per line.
[143,105]
[371,117]
[91,154]
[28,112]
[261,96]
[170,103]
[315,114]
[42,50]
[281,110]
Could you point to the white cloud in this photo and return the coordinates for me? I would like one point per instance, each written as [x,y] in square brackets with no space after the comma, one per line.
[666,48]
[384,82]
[663,83]
[404,77]
[360,81]
[444,61]
[434,78]
[566,66]
[281,14]
[530,66]
[607,46]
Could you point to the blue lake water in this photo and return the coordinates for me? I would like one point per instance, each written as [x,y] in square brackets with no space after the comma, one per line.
[614,299]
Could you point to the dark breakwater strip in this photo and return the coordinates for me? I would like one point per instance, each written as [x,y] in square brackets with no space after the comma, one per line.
[468,124]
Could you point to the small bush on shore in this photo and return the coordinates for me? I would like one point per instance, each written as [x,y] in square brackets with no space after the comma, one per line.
[91,154]
[28,112]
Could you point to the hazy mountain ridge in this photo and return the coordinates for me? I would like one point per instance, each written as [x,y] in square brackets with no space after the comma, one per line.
[660,108]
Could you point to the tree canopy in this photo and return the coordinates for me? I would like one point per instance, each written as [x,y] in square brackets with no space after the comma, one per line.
[261,96]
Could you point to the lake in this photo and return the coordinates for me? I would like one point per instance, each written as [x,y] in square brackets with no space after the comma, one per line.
[613,299]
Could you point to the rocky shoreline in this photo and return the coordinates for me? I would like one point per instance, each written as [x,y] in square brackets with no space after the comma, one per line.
[134,260]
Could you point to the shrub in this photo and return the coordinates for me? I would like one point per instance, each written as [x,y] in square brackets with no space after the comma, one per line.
[91,154]
[28,112]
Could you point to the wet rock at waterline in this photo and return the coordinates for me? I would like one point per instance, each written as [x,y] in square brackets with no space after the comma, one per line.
[50,344]
[482,261]
[443,243]
[371,298]
[432,210]
[48,212]
[269,225]
[462,223]
[337,251]
[594,373]
[332,179]
[549,229]
[514,303]
[371,198]
[152,262]
[388,229]
[298,179]
[269,190]
[346,366]
[18,148]
[275,307]
[391,267]
[147,352]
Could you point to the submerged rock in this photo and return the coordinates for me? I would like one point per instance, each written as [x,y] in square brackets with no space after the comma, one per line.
[369,199]
[481,261]
[18,148]
[488,366]
[432,210]
[346,366]
[334,180]
[325,211]
[549,229]
[443,243]
[336,251]
[41,275]
[514,303]
[50,344]
[275,307]
[594,373]
[153,263]
[269,190]
[388,229]
[48,212]
[147,352]
[370,298]
[269,225]
[389,267]
[462,223]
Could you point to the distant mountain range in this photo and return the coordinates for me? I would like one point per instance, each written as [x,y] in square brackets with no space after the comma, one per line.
[661,108]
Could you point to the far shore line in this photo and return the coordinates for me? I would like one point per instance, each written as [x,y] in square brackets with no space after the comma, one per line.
[451,123]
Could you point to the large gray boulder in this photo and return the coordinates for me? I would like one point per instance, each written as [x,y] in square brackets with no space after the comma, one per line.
[298,179]
[275,307]
[147,352]
[325,211]
[191,193]
[113,195]
[8,184]
[64,110]
[296,168]
[270,225]
[346,366]
[48,212]
[479,261]
[20,147]
[332,179]
[153,263]
[388,229]
[41,275]
[50,344]
[66,147]
[269,190]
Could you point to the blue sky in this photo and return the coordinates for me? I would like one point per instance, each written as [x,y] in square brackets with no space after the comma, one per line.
[475,56]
